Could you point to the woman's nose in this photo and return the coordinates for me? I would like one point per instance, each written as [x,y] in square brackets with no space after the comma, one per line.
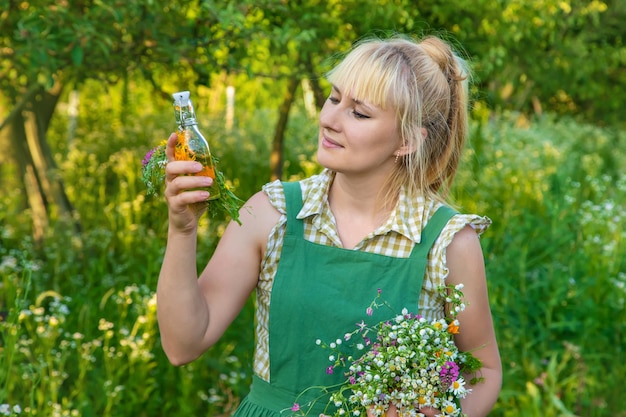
[329,116]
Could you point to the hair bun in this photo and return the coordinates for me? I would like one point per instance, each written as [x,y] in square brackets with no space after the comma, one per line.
[441,53]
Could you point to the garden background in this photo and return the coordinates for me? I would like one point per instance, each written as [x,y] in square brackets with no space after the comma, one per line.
[85,92]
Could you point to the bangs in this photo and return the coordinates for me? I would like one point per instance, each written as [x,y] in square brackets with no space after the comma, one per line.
[372,73]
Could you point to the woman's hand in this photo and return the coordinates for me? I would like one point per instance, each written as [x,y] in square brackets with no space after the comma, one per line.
[186,203]
[429,411]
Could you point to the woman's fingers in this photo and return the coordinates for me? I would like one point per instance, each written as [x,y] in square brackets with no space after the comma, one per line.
[188,188]
[174,169]
[392,411]
[182,200]
[169,147]
[429,411]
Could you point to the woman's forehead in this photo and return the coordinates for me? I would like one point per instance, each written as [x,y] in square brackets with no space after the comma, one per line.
[362,90]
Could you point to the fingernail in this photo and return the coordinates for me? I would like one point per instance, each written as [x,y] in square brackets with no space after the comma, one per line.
[197,167]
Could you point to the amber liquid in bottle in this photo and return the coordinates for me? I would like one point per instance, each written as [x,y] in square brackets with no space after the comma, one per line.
[191,144]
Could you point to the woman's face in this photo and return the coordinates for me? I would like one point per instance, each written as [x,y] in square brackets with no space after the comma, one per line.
[356,136]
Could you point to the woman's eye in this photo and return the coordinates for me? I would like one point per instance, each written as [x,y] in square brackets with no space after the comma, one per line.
[333,100]
[359,115]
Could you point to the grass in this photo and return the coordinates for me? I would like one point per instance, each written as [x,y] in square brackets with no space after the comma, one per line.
[79,334]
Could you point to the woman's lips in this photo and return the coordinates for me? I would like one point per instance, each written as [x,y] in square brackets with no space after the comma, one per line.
[329,143]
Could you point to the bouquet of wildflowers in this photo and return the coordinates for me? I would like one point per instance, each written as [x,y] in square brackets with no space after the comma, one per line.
[153,169]
[408,362]
[153,176]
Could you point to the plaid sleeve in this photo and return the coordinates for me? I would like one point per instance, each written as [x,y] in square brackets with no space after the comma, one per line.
[274,191]
[431,304]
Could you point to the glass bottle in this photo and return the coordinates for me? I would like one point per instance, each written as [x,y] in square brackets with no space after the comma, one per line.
[191,145]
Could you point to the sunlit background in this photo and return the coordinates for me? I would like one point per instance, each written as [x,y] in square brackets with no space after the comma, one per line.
[85,92]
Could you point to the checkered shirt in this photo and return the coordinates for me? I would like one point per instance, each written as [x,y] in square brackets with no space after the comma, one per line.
[396,237]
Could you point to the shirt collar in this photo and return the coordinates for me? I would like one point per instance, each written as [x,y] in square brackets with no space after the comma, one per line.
[315,194]
[407,218]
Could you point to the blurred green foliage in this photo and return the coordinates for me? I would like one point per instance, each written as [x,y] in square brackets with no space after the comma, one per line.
[564,56]
[80,337]
[545,161]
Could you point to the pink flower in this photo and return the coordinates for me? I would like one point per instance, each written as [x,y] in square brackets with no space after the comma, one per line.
[146,158]
[449,373]
[296,407]
[369,311]
[329,370]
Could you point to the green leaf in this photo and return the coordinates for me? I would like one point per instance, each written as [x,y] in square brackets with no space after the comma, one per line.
[77,55]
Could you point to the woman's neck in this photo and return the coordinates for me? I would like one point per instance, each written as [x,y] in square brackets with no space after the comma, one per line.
[357,207]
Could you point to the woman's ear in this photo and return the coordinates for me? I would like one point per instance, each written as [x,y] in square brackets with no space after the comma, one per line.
[411,146]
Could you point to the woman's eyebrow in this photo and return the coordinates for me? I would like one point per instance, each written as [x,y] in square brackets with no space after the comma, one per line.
[354,100]
[363,104]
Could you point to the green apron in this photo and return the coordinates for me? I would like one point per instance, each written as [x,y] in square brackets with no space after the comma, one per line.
[322,292]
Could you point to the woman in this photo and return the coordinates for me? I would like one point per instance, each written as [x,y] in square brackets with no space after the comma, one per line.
[390,138]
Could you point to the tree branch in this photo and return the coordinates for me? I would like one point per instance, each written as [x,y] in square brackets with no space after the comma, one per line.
[18,108]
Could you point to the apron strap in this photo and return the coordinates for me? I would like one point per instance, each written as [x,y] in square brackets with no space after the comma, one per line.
[293,199]
[430,233]
[432,230]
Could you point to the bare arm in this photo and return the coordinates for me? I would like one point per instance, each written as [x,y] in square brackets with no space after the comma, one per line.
[193,312]
[466,266]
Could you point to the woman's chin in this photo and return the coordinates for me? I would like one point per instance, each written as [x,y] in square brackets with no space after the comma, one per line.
[324,160]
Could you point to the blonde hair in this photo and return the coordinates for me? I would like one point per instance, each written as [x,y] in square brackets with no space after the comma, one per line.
[426,82]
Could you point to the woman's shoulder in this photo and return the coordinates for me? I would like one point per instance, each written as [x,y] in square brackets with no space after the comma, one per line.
[459,220]
[458,228]
[461,225]
[276,195]
[309,186]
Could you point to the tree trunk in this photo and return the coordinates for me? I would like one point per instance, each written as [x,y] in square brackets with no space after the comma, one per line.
[44,190]
[318,92]
[52,184]
[276,157]
[35,199]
